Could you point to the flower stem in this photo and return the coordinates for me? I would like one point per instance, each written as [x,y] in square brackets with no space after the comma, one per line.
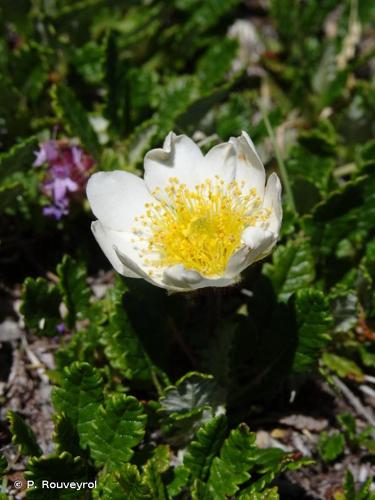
[280,161]
[214,310]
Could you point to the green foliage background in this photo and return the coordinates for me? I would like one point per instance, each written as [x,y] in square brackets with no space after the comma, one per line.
[151,390]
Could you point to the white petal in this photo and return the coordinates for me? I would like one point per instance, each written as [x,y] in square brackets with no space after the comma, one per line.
[249,168]
[221,161]
[183,279]
[257,244]
[272,200]
[107,239]
[117,197]
[156,278]
[180,157]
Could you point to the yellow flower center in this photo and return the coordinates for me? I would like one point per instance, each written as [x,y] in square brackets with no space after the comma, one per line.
[199,228]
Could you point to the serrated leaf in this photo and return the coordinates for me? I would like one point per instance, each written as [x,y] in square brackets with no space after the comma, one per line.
[230,470]
[153,470]
[74,289]
[267,494]
[115,429]
[124,483]
[345,310]
[194,399]
[23,435]
[191,392]
[72,114]
[87,60]
[18,159]
[321,140]
[331,446]
[123,347]
[179,481]
[61,468]
[216,62]
[344,367]
[339,226]
[66,436]
[174,99]
[40,306]
[268,463]
[204,447]
[309,166]
[314,321]
[292,268]
[140,140]
[79,397]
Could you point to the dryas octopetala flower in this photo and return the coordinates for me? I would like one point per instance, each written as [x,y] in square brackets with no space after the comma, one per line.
[194,221]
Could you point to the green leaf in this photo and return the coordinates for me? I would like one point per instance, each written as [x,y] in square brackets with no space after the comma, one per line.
[292,268]
[79,397]
[340,226]
[40,306]
[180,478]
[345,310]
[122,345]
[348,424]
[331,446]
[3,465]
[194,399]
[364,492]
[314,321]
[115,429]
[267,494]
[74,289]
[124,483]
[191,392]
[9,191]
[87,60]
[214,65]
[312,167]
[66,436]
[321,140]
[18,159]
[23,435]
[230,470]
[61,468]
[174,99]
[72,114]
[344,367]
[268,464]
[153,470]
[367,357]
[140,140]
[205,447]
[349,485]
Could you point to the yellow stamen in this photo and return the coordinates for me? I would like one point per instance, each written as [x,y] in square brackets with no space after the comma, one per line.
[199,228]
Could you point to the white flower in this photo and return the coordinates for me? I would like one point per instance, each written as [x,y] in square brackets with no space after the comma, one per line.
[193,221]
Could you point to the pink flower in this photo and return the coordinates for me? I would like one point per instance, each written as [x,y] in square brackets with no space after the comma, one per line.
[68,167]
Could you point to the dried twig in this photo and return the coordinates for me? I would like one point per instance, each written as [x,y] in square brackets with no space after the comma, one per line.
[353,400]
